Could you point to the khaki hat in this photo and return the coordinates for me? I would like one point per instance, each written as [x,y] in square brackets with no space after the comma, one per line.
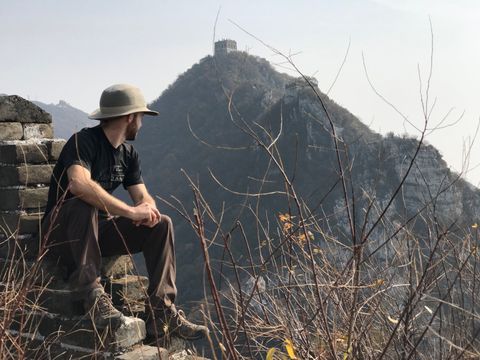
[121,99]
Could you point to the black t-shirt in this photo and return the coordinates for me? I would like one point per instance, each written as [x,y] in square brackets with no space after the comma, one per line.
[108,166]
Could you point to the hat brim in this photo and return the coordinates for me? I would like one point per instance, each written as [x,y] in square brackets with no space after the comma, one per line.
[99,115]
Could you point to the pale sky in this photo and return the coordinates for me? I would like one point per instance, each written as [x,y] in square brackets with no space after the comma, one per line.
[72,50]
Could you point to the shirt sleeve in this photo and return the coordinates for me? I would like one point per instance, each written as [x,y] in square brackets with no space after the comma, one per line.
[133,175]
[79,150]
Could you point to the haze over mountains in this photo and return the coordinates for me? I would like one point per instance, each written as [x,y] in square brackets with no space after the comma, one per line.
[212,120]
[66,118]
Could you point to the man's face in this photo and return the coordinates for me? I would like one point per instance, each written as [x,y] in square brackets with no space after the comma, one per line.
[134,126]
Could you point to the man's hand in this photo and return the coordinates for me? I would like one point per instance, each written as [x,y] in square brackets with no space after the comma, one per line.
[145,214]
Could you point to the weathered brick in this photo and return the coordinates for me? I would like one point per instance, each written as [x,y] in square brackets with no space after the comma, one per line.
[25,175]
[25,223]
[16,108]
[55,148]
[117,266]
[128,292]
[17,247]
[144,352]
[13,199]
[37,131]
[11,131]
[21,153]
[80,331]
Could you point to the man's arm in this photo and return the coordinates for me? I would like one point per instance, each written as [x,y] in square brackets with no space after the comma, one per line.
[140,195]
[82,185]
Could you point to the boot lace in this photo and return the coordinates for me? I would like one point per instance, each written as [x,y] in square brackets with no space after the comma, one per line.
[105,306]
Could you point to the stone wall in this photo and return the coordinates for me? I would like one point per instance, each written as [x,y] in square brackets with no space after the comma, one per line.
[28,152]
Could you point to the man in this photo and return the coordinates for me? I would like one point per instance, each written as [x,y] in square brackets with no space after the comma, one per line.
[84,221]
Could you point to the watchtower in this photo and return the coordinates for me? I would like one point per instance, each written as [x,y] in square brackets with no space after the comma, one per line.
[225,46]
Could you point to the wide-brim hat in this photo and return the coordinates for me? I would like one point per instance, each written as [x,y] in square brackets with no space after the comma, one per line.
[121,99]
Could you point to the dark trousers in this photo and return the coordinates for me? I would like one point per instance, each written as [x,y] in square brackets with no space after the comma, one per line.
[74,233]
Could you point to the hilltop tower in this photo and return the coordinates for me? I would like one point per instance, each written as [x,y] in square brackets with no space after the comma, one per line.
[225,46]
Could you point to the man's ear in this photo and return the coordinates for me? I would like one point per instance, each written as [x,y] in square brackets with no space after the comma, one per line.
[130,118]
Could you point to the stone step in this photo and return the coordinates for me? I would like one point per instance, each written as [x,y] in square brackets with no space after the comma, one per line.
[144,352]
[127,295]
[128,292]
[178,349]
[117,266]
[64,302]
[55,297]
[51,291]
[36,346]
[80,332]
[40,347]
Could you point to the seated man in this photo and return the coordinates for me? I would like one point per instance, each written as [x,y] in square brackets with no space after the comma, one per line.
[84,221]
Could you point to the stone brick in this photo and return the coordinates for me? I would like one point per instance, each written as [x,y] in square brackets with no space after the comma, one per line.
[18,247]
[25,175]
[37,131]
[58,301]
[131,332]
[16,108]
[144,352]
[11,131]
[128,292]
[79,331]
[29,223]
[32,198]
[19,153]
[117,266]
[55,148]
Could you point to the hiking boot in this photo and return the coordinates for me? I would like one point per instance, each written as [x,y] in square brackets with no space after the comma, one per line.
[100,308]
[174,322]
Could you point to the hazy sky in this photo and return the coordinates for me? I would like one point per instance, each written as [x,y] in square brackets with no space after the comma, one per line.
[72,50]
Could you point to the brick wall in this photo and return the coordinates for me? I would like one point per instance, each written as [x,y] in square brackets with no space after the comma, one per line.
[28,152]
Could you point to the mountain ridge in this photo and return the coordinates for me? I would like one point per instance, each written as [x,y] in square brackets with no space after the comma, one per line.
[212,120]
[67,119]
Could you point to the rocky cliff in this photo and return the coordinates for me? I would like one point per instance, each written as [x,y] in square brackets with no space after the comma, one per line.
[211,120]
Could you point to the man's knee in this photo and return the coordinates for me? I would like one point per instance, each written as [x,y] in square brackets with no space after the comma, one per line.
[165,220]
[164,226]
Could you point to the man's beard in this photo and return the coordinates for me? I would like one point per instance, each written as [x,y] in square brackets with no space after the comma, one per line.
[131,131]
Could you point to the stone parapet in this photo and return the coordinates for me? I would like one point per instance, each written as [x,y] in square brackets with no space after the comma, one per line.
[28,153]
[14,108]
[19,131]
